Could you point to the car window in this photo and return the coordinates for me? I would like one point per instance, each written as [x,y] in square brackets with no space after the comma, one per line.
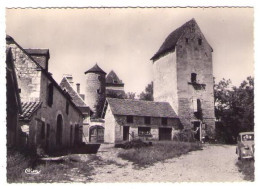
[248,137]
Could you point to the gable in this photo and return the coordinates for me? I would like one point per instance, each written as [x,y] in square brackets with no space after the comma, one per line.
[171,41]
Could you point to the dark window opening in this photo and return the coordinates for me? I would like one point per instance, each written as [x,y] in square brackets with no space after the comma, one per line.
[115,81]
[200,41]
[43,131]
[187,40]
[144,131]
[50,94]
[198,110]
[193,77]
[129,119]
[147,120]
[164,121]
[67,107]
[99,91]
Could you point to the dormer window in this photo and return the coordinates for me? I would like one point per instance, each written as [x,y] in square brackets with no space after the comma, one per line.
[115,81]
[193,77]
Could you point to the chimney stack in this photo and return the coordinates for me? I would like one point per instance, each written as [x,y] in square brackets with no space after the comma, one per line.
[69,78]
[78,88]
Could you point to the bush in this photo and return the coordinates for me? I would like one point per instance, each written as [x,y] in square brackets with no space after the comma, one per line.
[137,143]
[248,169]
[17,162]
[185,135]
[160,151]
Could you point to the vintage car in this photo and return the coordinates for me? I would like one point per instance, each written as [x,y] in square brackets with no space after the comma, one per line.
[245,145]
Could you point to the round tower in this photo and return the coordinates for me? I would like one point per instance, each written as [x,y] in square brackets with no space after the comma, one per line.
[95,91]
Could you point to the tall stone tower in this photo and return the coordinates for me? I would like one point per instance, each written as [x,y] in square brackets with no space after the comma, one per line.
[95,91]
[183,76]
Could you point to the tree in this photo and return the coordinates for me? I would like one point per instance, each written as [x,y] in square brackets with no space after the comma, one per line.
[234,107]
[148,93]
[130,95]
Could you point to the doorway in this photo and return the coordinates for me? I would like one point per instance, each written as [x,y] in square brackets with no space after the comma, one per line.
[59,130]
[126,133]
[165,133]
[197,130]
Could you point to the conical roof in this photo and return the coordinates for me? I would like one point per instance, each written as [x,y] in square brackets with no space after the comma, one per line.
[95,69]
[113,78]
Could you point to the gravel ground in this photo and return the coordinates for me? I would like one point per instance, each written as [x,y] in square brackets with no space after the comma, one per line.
[215,163]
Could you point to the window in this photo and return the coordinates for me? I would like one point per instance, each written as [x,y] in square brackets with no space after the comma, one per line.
[115,81]
[67,107]
[129,119]
[164,121]
[50,95]
[43,131]
[193,77]
[99,91]
[199,41]
[144,131]
[187,40]
[147,120]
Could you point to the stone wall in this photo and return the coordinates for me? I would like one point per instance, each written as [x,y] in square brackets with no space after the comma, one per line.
[95,92]
[114,126]
[195,57]
[34,87]
[165,80]
[28,74]
[48,114]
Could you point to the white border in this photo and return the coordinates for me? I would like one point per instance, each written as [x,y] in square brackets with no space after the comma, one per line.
[124,3]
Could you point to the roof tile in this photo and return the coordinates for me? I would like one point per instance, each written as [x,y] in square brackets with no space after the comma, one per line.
[141,108]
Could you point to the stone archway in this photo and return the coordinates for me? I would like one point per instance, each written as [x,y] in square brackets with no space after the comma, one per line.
[59,129]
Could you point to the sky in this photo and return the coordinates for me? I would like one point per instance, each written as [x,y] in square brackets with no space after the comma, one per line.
[124,39]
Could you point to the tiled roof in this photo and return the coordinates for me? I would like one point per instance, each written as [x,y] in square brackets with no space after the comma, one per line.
[37,51]
[95,69]
[170,42]
[28,109]
[141,108]
[76,98]
[112,78]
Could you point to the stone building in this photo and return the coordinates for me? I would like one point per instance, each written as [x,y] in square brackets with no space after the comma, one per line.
[52,118]
[95,90]
[183,76]
[114,86]
[67,84]
[126,119]
[13,103]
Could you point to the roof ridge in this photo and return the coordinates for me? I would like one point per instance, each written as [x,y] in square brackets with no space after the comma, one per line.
[74,90]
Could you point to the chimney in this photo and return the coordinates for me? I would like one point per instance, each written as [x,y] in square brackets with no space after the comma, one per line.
[69,78]
[78,88]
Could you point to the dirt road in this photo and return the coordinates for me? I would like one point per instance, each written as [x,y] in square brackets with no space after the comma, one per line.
[213,163]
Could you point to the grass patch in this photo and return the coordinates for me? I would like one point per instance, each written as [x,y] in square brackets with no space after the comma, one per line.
[160,151]
[67,171]
[247,167]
